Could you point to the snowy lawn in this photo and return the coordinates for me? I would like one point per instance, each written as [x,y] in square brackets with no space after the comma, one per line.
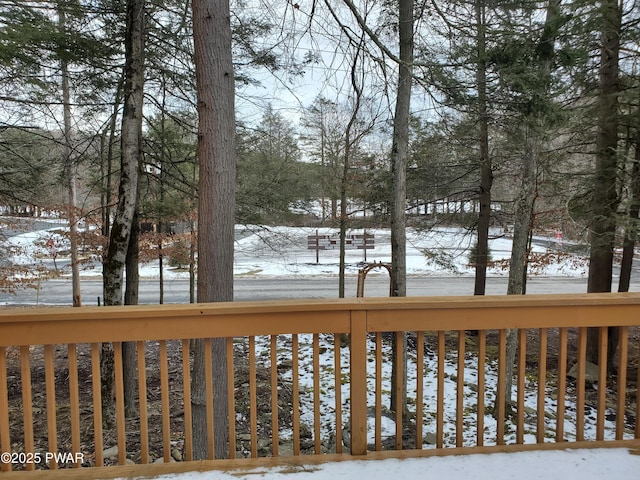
[283,252]
[613,464]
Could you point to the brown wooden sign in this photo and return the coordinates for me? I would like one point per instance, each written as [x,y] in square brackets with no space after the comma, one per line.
[332,242]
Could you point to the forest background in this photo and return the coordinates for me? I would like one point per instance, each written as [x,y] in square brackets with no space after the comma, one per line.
[154,127]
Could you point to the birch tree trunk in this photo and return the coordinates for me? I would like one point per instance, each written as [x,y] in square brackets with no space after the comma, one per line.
[131,141]
[129,351]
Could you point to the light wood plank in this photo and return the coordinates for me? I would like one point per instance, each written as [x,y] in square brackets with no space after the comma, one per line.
[5,437]
[482,358]
[358,365]
[50,381]
[165,402]
[96,390]
[295,379]
[419,387]
[142,401]
[27,403]
[562,384]
[119,393]
[337,365]
[316,394]
[542,384]
[275,407]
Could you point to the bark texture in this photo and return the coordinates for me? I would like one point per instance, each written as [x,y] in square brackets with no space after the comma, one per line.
[484,160]
[216,205]
[400,153]
[131,141]
[605,198]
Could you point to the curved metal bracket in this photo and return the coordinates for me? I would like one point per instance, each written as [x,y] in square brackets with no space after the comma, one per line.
[362,274]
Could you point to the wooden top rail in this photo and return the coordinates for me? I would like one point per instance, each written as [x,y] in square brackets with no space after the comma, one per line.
[19,326]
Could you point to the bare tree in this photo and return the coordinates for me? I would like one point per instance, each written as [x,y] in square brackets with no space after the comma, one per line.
[399,155]
[130,158]
[216,208]
[70,165]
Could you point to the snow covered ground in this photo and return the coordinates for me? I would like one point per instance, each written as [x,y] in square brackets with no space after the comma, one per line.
[283,252]
[613,464]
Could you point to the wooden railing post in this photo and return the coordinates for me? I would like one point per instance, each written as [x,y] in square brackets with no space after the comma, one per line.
[358,375]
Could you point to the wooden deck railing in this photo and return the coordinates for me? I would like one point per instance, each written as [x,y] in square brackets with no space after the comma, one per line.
[310,379]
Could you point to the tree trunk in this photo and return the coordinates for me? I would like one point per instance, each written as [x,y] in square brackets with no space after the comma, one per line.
[520,251]
[346,167]
[216,200]
[131,141]
[129,355]
[631,230]
[535,127]
[343,213]
[605,199]
[399,155]
[72,169]
[160,223]
[486,172]
[105,198]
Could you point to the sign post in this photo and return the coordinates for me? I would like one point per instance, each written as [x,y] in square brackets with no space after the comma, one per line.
[319,242]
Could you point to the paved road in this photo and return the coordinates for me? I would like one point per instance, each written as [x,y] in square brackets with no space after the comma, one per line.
[58,292]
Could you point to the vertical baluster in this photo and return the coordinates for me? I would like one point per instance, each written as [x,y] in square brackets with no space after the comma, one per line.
[399,345]
[119,392]
[74,401]
[482,355]
[231,397]
[186,395]
[5,445]
[378,405]
[27,405]
[460,389]
[316,393]
[338,389]
[296,393]
[637,429]
[419,387]
[580,380]
[440,395]
[522,371]
[562,384]
[500,396]
[208,381]
[50,380]
[542,385]
[602,381]
[253,397]
[142,401]
[623,358]
[164,400]
[275,426]
[96,391]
